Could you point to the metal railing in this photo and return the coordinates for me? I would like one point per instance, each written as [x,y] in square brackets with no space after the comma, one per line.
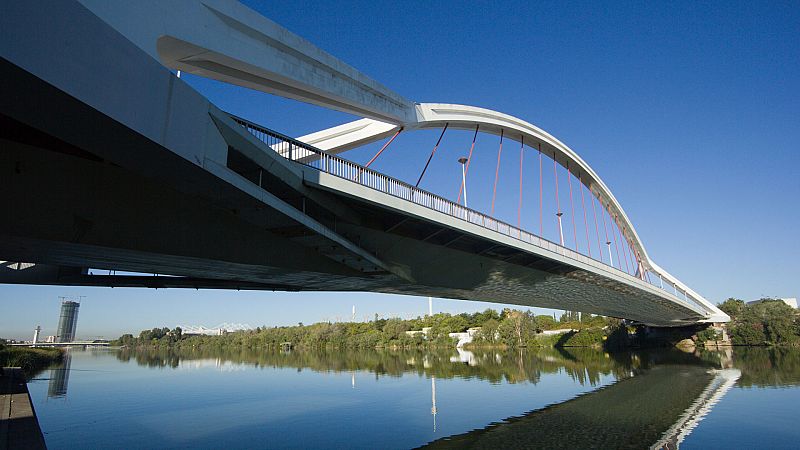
[308,155]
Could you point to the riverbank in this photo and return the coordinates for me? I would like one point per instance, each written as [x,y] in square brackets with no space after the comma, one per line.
[19,427]
[767,323]
[510,328]
[30,360]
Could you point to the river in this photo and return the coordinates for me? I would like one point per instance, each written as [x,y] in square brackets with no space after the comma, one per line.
[376,399]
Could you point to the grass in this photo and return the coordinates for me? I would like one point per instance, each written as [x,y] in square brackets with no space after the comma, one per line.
[31,360]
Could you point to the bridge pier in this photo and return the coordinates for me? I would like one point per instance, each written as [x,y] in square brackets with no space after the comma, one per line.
[685,336]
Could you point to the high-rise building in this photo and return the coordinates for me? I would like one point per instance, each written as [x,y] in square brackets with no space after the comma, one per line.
[68,321]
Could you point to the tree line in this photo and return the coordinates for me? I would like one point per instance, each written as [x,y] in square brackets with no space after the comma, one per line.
[768,322]
[508,327]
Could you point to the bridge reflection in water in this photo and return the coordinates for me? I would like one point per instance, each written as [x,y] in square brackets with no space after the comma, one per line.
[659,408]
[658,400]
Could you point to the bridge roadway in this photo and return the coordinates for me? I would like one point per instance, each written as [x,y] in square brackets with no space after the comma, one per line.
[115,163]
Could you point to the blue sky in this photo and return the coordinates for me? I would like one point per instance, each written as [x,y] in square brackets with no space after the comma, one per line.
[689,111]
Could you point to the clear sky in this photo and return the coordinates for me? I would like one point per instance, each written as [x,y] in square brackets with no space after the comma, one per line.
[689,111]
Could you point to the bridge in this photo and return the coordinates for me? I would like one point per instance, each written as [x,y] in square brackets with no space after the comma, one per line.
[115,163]
[63,344]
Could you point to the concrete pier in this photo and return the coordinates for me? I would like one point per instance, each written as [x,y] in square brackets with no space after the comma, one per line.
[19,427]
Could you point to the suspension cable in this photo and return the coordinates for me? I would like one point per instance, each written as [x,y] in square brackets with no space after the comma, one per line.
[519,206]
[469,158]
[635,262]
[639,266]
[572,205]
[608,242]
[625,247]
[497,171]
[431,157]
[615,230]
[383,148]
[541,207]
[583,206]
[596,228]
[558,202]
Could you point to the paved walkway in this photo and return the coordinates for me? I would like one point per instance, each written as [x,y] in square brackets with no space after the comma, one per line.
[19,427]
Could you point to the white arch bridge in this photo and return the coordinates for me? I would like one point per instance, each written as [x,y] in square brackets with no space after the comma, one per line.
[115,163]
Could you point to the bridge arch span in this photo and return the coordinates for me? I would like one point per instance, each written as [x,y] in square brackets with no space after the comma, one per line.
[436,115]
[226,41]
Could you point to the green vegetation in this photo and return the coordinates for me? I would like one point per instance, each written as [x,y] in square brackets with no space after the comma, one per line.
[772,366]
[585,365]
[31,360]
[508,328]
[770,322]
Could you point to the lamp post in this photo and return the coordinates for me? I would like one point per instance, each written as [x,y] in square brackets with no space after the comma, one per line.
[463,162]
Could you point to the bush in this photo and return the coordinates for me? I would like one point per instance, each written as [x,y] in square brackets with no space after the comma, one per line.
[582,338]
[709,334]
[31,360]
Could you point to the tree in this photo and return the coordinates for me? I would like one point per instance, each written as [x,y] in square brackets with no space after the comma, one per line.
[451,324]
[570,316]
[517,327]
[395,328]
[545,322]
[732,307]
[177,334]
[489,330]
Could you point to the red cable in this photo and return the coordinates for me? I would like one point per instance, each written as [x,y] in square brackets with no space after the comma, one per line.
[596,228]
[608,242]
[617,238]
[383,148]
[558,203]
[626,248]
[614,237]
[469,158]
[585,222]
[572,205]
[497,171]
[541,222]
[431,157]
[519,207]
[639,265]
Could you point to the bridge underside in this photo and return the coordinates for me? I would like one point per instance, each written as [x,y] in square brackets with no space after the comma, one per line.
[123,167]
[84,191]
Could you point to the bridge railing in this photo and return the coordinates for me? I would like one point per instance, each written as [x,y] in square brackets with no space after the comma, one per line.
[308,155]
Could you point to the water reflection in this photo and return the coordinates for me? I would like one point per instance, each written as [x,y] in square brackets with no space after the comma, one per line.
[59,377]
[585,366]
[655,399]
[657,408]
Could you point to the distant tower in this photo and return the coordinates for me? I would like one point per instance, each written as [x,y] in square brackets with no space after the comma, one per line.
[36,335]
[430,306]
[353,319]
[68,321]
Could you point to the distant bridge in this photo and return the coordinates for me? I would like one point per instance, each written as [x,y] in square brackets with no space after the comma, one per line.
[63,344]
[115,163]
[215,330]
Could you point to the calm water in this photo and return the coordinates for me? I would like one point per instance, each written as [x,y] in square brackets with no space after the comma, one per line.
[400,399]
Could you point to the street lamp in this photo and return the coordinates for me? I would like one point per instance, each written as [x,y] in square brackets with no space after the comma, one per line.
[463,162]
